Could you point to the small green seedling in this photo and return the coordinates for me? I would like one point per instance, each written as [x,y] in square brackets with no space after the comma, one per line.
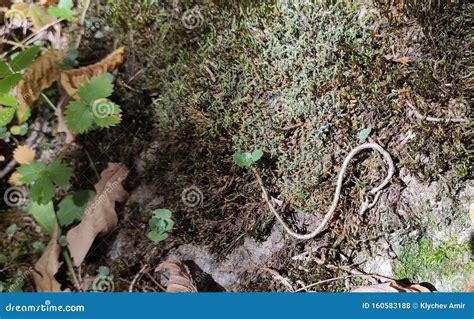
[246,159]
[160,224]
[364,134]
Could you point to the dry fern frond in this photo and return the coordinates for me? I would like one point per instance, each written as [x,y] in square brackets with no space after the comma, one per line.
[71,80]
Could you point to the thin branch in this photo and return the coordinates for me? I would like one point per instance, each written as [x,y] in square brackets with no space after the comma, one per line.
[137,276]
[340,278]
[434,119]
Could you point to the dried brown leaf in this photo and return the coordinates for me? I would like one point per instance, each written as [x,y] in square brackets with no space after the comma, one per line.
[469,287]
[48,265]
[179,278]
[39,76]
[15,179]
[99,217]
[23,154]
[71,80]
[48,2]
[402,59]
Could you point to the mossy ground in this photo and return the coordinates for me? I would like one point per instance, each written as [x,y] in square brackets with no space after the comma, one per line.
[297,80]
[424,261]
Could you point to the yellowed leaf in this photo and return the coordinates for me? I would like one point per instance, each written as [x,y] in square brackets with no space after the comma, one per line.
[39,76]
[23,154]
[18,11]
[37,13]
[99,217]
[179,278]
[39,16]
[48,265]
[71,80]
[15,179]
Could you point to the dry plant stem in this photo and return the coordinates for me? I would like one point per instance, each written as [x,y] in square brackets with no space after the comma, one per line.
[26,42]
[340,278]
[68,261]
[367,204]
[86,4]
[138,275]
[92,164]
[434,119]
[155,282]
[48,101]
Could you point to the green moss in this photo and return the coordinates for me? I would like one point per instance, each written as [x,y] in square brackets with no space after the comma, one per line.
[248,73]
[423,261]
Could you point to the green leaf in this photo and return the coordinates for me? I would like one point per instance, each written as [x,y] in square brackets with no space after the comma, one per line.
[38,246]
[104,271]
[42,190]
[66,4]
[24,58]
[162,213]
[12,229]
[31,172]
[69,60]
[156,236]
[61,13]
[256,155]
[6,115]
[72,207]
[243,159]
[364,134]
[7,83]
[8,100]
[15,130]
[60,173]
[111,120]
[19,130]
[97,88]
[44,215]
[160,224]
[4,69]
[4,134]
[79,117]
